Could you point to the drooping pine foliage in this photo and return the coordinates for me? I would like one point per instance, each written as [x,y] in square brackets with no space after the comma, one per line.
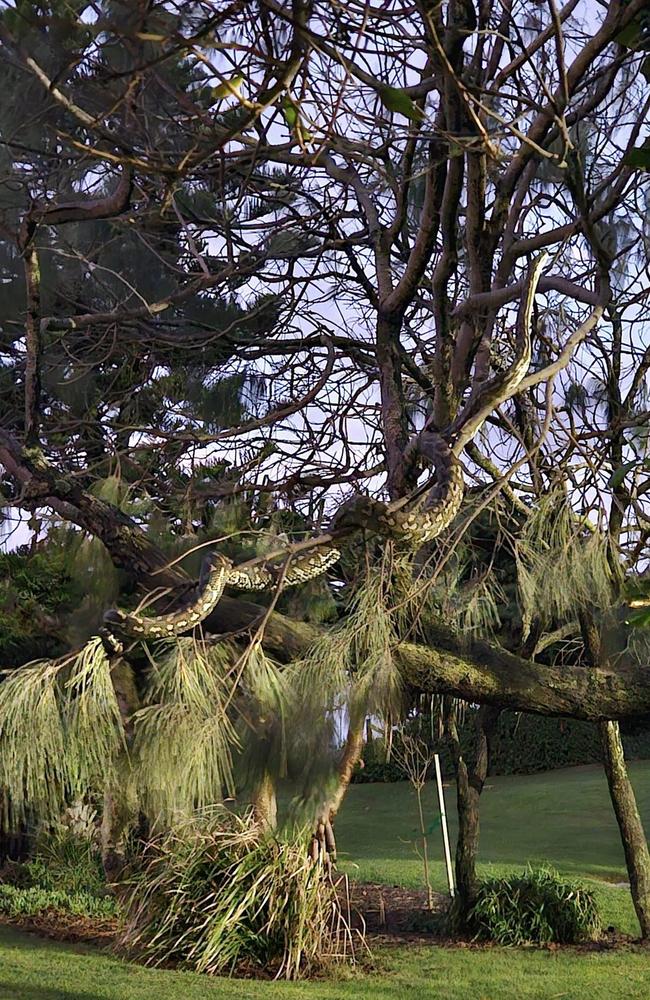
[184,736]
[563,565]
[60,732]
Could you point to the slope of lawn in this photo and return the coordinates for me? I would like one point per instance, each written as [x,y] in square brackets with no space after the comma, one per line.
[561,817]
[32,969]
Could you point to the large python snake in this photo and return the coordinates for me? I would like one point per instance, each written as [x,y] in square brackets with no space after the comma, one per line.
[412,521]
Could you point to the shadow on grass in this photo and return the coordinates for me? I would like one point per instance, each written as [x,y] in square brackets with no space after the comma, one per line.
[13,991]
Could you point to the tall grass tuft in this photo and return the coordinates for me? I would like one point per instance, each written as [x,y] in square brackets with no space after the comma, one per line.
[64,860]
[215,895]
[536,907]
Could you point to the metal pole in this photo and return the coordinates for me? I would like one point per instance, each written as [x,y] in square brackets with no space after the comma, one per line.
[444,827]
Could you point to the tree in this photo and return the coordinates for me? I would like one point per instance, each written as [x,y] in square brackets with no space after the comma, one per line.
[330,219]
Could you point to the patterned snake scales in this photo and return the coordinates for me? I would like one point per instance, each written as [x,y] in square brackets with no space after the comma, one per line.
[415,523]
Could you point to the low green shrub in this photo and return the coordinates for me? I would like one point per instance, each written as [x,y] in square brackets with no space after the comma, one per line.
[64,876]
[537,907]
[378,771]
[32,901]
[217,896]
[67,862]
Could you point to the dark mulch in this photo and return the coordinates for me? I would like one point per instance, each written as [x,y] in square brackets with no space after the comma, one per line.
[395,912]
[386,914]
[68,927]
[391,914]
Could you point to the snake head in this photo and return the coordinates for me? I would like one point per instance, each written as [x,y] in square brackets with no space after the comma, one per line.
[114,616]
[354,513]
[212,562]
[112,645]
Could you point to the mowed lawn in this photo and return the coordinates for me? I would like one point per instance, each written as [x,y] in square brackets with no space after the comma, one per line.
[32,969]
[563,817]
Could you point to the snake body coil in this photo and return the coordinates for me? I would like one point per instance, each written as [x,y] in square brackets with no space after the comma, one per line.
[403,520]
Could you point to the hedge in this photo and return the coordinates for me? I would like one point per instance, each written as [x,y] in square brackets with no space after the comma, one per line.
[523,744]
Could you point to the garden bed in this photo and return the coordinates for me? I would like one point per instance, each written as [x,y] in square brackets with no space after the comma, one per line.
[69,927]
[387,914]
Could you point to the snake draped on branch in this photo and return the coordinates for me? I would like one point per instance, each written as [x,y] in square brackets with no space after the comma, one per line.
[414,520]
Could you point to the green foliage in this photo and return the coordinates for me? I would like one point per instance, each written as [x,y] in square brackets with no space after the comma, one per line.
[35,901]
[184,736]
[267,708]
[216,896]
[536,907]
[60,731]
[382,771]
[352,667]
[65,862]
[359,654]
[64,875]
[34,589]
[638,597]
[523,744]
[639,157]
[562,566]
[621,471]
[637,33]
[312,602]
[62,735]
[640,618]
[97,579]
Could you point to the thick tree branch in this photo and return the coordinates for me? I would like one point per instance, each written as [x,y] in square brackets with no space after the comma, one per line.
[475,671]
[497,297]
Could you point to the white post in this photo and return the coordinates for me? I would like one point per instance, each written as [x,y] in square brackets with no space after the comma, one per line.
[445,828]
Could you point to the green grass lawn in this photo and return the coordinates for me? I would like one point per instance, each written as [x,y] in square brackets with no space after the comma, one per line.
[562,817]
[32,969]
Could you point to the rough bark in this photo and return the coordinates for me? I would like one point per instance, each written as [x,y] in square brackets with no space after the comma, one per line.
[348,761]
[393,404]
[33,345]
[265,804]
[470,778]
[323,846]
[475,671]
[120,807]
[635,845]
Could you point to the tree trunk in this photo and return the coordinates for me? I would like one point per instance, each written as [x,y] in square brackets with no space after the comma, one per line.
[470,778]
[323,845]
[350,757]
[472,669]
[393,406]
[635,845]
[120,812]
[265,805]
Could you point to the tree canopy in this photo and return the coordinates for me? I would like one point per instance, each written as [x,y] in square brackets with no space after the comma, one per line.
[254,252]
